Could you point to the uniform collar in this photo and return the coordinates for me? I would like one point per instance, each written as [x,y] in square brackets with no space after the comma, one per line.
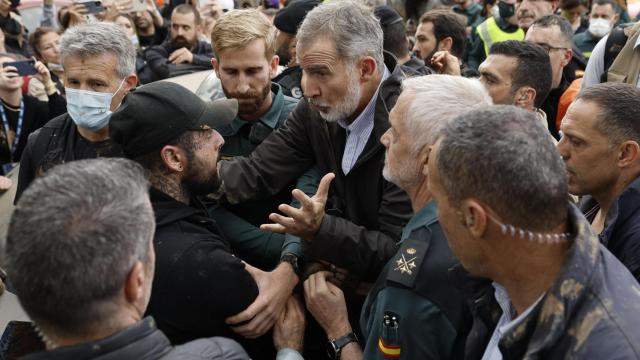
[270,118]
[424,217]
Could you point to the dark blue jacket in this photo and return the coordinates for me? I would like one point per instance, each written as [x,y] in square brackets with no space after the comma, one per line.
[621,234]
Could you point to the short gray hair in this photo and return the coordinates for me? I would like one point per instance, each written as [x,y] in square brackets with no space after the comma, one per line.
[351,26]
[436,100]
[504,157]
[73,238]
[99,38]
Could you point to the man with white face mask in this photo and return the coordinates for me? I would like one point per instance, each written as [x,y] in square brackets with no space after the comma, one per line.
[601,20]
[99,64]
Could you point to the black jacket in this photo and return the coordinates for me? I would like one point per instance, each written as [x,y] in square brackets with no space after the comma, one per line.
[144,341]
[157,58]
[589,312]
[198,282]
[365,213]
[621,234]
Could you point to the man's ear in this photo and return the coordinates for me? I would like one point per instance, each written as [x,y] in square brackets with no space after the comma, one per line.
[554,6]
[130,82]
[134,283]
[628,153]
[445,44]
[568,55]
[173,158]
[423,158]
[474,217]
[368,68]
[525,97]
[216,66]
[273,66]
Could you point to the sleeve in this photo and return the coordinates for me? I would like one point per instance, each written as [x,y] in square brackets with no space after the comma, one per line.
[203,60]
[27,166]
[280,159]
[257,247]
[157,58]
[308,183]
[201,288]
[48,16]
[423,331]
[595,66]
[288,354]
[363,251]
[209,348]
[10,25]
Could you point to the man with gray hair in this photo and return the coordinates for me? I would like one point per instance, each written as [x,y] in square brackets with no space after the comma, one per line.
[348,89]
[99,70]
[82,266]
[413,311]
[543,286]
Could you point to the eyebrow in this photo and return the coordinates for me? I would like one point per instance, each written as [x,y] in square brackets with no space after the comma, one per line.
[313,68]
[487,74]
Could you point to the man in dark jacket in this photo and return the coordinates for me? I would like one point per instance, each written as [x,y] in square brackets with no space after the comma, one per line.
[97,58]
[550,290]
[336,127]
[94,263]
[600,146]
[413,310]
[182,53]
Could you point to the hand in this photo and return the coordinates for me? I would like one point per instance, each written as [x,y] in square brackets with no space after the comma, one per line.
[151,6]
[43,75]
[445,63]
[181,56]
[5,6]
[5,184]
[124,6]
[304,222]
[274,288]
[8,75]
[326,303]
[288,331]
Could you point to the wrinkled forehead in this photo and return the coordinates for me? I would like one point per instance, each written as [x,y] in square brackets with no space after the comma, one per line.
[321,53]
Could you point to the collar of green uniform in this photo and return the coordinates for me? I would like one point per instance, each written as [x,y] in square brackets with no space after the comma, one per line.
[424,217]
[270,118]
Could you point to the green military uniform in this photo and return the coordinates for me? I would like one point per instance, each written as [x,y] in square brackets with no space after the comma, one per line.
[240,223]
[413,311]
[585,42]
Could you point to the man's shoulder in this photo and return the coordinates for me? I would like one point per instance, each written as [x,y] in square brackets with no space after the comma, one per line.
[215,348]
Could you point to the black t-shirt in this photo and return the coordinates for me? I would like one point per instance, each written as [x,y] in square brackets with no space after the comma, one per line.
[156,39]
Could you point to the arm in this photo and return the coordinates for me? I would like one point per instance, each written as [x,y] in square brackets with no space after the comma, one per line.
[48,14]
[288,332]
[157,58]
[27,166]
[267,170]
[595,66]
[308,183]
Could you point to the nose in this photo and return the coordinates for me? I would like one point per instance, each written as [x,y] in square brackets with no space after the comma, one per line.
[384,139]
[309,88]
[243,84]
[562,149]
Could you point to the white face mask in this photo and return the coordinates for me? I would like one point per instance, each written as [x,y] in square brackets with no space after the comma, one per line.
[134,40]
[599,27]
[89,109]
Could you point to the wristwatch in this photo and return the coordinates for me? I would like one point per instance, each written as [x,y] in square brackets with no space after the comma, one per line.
[334,346]
[293,260]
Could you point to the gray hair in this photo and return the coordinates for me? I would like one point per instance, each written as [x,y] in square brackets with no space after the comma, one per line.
[99,38]
[73,238]
[436,100]
[504,157]
[352,27]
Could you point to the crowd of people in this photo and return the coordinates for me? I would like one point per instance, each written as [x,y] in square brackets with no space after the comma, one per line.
[352,179]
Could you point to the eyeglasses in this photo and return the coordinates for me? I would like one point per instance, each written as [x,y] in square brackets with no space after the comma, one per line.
[548,47]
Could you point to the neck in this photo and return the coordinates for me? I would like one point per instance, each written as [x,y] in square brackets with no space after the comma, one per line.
[419,195]
[366,96]
[170,185]
[266,105]
[11,97]
[118,323]
[607,197]
[527,269]
[146,32]
[94,136]
[404,59]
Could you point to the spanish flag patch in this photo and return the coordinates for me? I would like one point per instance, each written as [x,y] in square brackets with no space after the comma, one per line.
[388,351]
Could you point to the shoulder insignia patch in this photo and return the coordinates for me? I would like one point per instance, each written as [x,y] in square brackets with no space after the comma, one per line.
[388,351]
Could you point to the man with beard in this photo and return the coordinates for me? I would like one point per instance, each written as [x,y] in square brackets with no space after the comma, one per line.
[349,90]
[412,297]
[198,282]
[287,21]
[245,61]
[182,53]
[151,28]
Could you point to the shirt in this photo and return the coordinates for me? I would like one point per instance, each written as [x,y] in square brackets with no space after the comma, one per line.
[359,130]
[595,66]
[506,322]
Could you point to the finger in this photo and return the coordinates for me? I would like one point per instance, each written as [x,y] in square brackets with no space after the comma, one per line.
[304,199]
[253,328]
[248,314]
[323,188]
[276,228]
[285,221]
[253,271]
[291,211]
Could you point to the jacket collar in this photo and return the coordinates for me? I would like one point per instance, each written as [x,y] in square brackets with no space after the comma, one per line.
[169,210]
[548,322]
[142,340]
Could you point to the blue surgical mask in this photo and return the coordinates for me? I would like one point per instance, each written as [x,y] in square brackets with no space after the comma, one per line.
[89,109]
